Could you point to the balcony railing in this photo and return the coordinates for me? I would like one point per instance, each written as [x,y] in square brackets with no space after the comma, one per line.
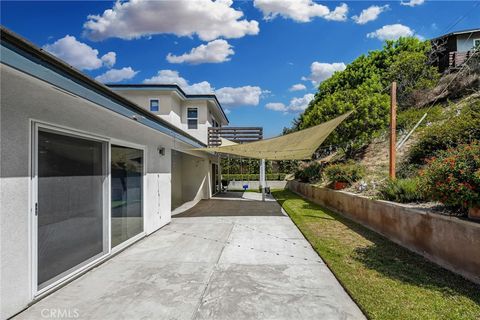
[457,58]
[235,134]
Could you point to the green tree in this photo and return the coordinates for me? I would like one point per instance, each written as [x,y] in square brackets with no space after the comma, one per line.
[412,73]
[363,88]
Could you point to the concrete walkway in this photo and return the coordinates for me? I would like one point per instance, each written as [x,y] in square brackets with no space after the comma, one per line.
[211,262]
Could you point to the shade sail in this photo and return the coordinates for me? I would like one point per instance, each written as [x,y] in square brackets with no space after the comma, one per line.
[299,145]
[224,142]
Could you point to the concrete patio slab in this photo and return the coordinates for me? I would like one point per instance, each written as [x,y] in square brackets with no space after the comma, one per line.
[274,292]
[227,266]
[250,247]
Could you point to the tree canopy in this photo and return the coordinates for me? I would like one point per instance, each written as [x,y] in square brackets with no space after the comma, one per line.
[364,88]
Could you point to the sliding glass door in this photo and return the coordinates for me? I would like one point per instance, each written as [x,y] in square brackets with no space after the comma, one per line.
[70,198]
[127,193]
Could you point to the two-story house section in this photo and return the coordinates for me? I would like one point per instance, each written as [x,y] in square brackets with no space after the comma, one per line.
[193,113]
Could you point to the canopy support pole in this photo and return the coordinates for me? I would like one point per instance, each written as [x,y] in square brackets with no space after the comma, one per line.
[262,178]
[219,175]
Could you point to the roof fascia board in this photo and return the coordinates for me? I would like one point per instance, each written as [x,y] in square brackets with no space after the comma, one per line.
[455,33]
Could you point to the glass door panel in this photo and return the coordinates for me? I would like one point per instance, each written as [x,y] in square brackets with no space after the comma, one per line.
[70,191]
[127,193]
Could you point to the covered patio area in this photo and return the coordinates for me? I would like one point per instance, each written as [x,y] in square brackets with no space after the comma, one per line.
[230,257]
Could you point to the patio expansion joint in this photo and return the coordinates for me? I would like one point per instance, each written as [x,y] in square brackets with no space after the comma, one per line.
[200,301]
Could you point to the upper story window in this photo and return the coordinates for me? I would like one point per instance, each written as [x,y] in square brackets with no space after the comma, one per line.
[192,118]
[154,105]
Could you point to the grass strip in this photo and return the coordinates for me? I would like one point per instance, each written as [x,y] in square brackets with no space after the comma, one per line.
[386,280]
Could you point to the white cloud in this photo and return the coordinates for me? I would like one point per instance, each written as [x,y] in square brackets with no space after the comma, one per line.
[276,106]
[171,77]
[167,77]
[137,18]
[320,71]
[296,104]
[116,75]
[203,87]
[412,3]
[298,87]
[79,54]
[370,14]
[339,14]
[391,32]
[299,10]
[240,96]
[109,59]
[228,96]
[300,104]
[215,51]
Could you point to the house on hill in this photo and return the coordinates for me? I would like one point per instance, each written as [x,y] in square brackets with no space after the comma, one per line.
[453,49]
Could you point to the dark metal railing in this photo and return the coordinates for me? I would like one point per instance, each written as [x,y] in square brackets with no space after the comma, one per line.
[235,134]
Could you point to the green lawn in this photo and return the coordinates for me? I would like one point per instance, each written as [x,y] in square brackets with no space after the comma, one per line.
[386,280]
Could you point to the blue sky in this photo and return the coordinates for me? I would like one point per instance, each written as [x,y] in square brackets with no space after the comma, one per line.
[250,53]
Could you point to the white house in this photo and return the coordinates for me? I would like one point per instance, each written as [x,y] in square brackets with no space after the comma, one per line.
[86,170]
[191,113]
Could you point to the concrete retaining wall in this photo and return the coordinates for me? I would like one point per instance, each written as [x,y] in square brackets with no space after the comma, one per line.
[448,241]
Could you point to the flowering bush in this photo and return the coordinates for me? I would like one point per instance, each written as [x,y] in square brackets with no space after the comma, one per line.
[453,177]
[345,172]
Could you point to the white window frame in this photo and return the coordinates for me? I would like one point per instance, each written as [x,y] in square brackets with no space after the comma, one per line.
[188,118]
[150,104]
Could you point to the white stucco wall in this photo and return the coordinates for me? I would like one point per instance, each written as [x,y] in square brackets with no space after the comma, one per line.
[24,98]
[177,197]
[191,178]
[201,133]
[174,110]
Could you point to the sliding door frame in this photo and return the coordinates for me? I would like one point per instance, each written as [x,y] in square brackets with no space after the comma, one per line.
[36,126]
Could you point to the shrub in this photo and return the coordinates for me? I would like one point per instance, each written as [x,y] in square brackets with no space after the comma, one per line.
[310,173]
[453,177]
[408,118]
[345,172]
[402,190]
[253,176]
[459,129]
[408,170]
